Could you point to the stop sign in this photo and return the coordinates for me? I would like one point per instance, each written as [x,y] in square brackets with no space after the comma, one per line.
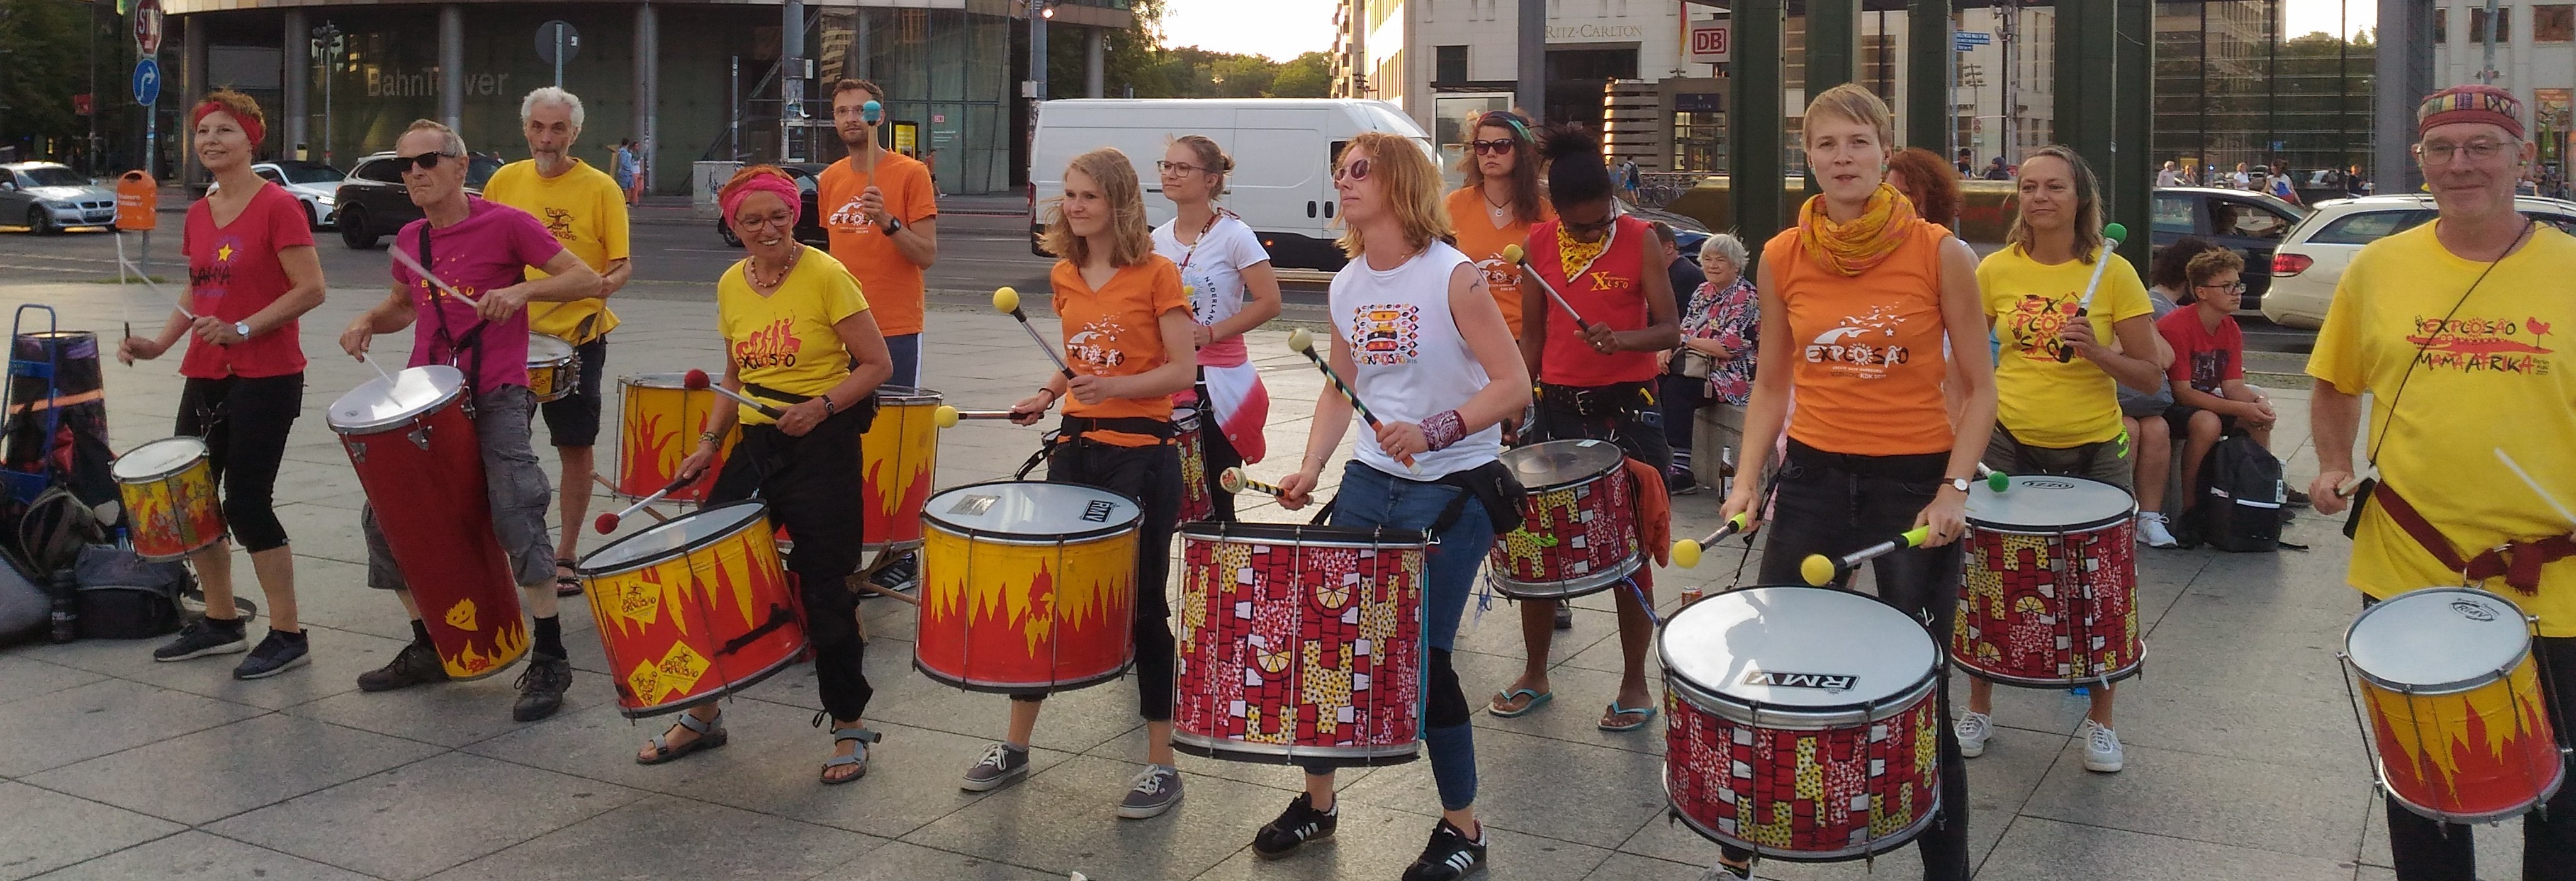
[147,26]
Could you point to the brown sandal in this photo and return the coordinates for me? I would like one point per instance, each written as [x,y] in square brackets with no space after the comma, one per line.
[711,734]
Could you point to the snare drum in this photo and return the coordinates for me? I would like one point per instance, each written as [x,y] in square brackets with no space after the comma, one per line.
[1027,587]
[422,468]
[168,487]
[693,609]
[1801,722]
[2460,729]
[898,456]
[553,371]
[1578,531]
[1196,503]
[1299,644]
[2050,597]
[658,424]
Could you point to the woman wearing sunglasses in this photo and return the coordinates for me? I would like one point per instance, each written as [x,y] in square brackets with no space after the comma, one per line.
[1232,290]
[1503,198]
[1596,369]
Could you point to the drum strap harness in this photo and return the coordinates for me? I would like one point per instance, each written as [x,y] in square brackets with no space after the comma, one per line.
[1072,429]
[866,407]
[2517,561]
[456,345]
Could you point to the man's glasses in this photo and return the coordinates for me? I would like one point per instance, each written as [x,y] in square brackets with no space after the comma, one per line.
[2479,150]
[1356,170]
[2234,288]
[426,161]
[1504,145]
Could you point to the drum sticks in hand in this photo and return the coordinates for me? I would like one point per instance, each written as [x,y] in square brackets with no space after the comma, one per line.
[2112,236]
[696,380]
[947,416]
[1234,483]
[1686,552]
[1820,570]
[1513,255]
[1007,302]
[607,522]
[1304,344]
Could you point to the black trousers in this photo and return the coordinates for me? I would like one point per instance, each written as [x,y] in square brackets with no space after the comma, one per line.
[2425,850]
[1626,415]
[244,422]
[811,485]
[1219,454]
[1835,504]
[1152,476]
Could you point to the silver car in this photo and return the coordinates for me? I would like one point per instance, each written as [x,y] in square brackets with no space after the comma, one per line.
[47,196]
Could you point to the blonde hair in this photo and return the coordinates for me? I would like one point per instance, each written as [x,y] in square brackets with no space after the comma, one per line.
[1211,157]
[1851,103]
[2088,205]
[1131,241]
[241,107]
[1410,183]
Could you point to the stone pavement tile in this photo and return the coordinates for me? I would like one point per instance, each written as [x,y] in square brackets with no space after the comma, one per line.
[1523,782]
[62,727]
[1374,842]
[450,714]
[2207,715]
[426,816]
[2499,846]
[1064,818]
[219,772]
[1073,721]
[675,838]
[2044,712]
[329,533]
[1631,867]
[2203,798]
[1130,748]
[897,861]
[1497,630]
[197,855]
[338,657]
[22,676]
[50,830]
[2041,848]
[1574,715]
[333,593]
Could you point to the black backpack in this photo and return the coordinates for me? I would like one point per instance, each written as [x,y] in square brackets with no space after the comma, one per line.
[2241,494]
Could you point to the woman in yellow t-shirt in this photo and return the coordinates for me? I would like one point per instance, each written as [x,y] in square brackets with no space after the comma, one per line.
[2056,380]
[1503,198]
[797,333]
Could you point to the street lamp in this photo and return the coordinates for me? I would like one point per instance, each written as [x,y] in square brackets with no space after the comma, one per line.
[328,44]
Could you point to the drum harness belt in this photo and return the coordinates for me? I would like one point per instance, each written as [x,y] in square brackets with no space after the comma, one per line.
[469,345]
[1073,429]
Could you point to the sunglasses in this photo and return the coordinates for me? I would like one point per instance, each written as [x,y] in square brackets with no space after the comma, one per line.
[1606,221]
[426,161]
[1504,145]
[1356,169]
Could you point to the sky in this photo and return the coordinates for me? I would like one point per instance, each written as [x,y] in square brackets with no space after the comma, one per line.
[1281,29]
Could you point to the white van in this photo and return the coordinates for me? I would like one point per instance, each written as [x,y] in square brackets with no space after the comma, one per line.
[1283,151]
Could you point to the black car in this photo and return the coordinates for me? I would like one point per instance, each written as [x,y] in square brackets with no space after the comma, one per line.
[2249,223]
[809,220]
[373,202]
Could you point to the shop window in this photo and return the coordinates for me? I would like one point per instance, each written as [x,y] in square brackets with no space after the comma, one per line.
[2442,25]
[2503,25]
[1449,64]
[2553,23]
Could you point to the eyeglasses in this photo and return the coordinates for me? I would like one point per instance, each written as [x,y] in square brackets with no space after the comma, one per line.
[1588,228]
[426,161]
[1355,170]
[2479,150]
[1177,168]
[775,218]
[1504,145]
[2233,288]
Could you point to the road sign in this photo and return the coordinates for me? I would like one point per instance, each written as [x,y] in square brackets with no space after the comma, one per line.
[1711,41]
[147,81]
[546,42]
[147,26]
[1966,40]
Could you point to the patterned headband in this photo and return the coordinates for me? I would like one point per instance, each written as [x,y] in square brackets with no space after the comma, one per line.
[2478,103]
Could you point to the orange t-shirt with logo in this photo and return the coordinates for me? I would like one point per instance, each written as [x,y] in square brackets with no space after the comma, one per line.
[1483,242]
[893,283]
[1867,367]
[1118,331]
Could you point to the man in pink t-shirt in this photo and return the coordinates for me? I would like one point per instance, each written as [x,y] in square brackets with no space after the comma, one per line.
[483,250]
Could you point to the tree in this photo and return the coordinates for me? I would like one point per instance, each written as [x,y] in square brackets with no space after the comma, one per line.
[1305,76]
[44,61]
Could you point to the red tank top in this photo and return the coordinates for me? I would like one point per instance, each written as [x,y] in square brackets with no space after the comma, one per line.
[1609,290]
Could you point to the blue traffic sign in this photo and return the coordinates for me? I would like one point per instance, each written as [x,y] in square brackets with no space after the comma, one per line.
[147,81]
[1965,40]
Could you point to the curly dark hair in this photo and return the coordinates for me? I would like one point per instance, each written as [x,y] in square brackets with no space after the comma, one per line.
[2171,268]
[1576,173]
[1527,189]
[1935,178]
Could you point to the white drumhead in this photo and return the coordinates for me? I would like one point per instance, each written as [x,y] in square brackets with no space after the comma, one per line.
[1797,647]
[2043,502]
[2448,637]
[543,349]
[1030,509]
[375,404]
[1557,463]
[674,535]
[157,458]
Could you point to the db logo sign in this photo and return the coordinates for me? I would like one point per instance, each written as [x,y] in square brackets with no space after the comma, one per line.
[1709,42]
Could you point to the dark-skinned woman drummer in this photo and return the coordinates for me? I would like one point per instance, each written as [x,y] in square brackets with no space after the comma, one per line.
[1597,383]
[797,333]
[1128,335]
[1441,387]
[251,273]
[1871,451]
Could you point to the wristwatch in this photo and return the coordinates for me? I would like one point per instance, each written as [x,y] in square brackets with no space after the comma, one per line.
[892,225]
[243,328]
[1960,483]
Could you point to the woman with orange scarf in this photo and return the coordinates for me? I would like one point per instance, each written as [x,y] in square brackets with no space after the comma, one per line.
[1864,292]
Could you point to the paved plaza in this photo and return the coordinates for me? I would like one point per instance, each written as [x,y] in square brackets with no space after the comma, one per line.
[2243,759]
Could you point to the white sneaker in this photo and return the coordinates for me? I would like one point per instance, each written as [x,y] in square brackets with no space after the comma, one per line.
[1973,729]
[2102,749]
[2152,531]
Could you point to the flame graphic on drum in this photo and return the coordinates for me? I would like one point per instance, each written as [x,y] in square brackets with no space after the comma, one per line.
[655,450]
[1078,603]
[508,640]
[2480,751]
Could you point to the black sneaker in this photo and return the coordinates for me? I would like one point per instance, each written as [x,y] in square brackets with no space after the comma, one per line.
[1296,826]
[2294,498]
[541,687]
[278,653]
[1001,766]
[902,574]
[416,664]
[1680,482]
[202,637]
[1449,857]
[1564,615]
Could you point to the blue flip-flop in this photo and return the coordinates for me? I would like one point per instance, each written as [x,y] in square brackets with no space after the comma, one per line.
[1536,697]
[1648,715]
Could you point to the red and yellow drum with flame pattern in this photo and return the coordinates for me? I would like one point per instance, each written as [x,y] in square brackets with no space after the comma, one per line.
[658,424]
[1300,644]
[168,487]
[1027,587]
[898,459]
[693,609]
[2050,598]
[1800,722]
[2457,720]
[1578,532]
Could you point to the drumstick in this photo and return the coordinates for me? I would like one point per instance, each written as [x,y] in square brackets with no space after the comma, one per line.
[2112,235]
[696,380]
[1513,255]
[1234,483]
[380,369]
[607,523]
[1819,570]
[1007,302]
[947,416]
[1686,552]
[419,270]
[1995,480]
[1304,343]
[147,281]
[2535,486]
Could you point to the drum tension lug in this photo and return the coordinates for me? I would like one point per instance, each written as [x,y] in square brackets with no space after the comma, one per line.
[419,435]
[358,452]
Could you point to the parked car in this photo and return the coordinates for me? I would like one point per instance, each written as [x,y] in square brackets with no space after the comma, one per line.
[312,183]
[373,202]
[2312,257]
[48,196]
[2250,223]
[809,220]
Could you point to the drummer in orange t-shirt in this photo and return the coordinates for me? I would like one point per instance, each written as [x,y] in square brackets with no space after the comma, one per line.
[1503,198]
[883,217]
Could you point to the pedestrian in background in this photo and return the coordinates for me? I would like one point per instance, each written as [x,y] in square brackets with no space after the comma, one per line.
[1715,363]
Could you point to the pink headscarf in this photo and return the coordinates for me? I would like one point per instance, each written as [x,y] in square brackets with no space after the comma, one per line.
[761,181]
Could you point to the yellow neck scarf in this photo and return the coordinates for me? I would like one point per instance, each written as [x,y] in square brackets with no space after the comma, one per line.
[1850,249]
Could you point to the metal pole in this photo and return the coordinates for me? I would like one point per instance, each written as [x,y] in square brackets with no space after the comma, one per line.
[2487,73]
[298,77]
[1833,43]
[1930,57]
[451,66]
[791,75]
[733,107]
[1756,161]
[330,60]
[648,88]
[559,55]
[2011,82]
[1529,77]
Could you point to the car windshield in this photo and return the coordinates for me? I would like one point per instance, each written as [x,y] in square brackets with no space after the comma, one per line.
[480,170]
[51,177]
[310,173]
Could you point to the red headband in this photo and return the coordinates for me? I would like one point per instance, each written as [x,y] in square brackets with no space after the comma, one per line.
[249,126]
[774,183]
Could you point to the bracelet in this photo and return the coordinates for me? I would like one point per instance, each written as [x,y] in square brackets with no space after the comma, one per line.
[1442,429]
[828,406]
[1052,397]
[708,437]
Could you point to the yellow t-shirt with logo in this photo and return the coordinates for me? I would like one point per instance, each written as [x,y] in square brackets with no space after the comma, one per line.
[786,341]
[2042,402]
[2496,375]
[587,213]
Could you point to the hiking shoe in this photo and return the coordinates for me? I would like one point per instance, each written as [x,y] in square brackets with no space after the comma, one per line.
[2293,498]
[279,652]
[903,574]
[1564,615]
[541,687]
[1973,730]
[416,664]
[1724,872]
[1296,826]
[2102,753]
[1449,856]
[202,637]
[1001,766]
[1153,791]
[1680,482]
[2152,531]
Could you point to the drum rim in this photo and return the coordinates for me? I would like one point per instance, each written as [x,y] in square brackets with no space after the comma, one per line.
[1614,468]
[1876,846]
[2457,686]
[583,570]
[1998,526]
[1216,530]
[2379,767]
[1817,718]
[380,426]
[931,522]
[571,351]
[678,380]
[1228,749]
[907,396]
[203,452]
[990,686]
[1571,588]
